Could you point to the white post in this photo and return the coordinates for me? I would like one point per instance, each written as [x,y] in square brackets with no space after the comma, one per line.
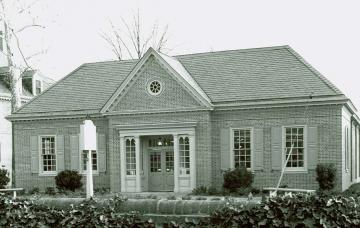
[122,164]
[192,161]
[137,159]
[176,163]
[88,141]
[89,176]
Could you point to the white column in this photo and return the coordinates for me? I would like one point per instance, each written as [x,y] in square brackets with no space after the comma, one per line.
[89,176]
[176,163]
[137,158]
[122,164]
[192,161]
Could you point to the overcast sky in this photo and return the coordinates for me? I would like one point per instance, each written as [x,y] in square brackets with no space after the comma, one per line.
[325,33]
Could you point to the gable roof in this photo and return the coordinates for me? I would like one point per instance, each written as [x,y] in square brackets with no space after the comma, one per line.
[226,76]
[175,68]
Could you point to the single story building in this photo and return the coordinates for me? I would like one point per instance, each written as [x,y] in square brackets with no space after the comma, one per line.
[174,123]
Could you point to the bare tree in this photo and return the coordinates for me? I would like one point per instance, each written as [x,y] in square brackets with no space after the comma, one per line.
[129,40]
[17,60]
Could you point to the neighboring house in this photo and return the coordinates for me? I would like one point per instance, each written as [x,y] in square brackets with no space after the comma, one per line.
[28,86]
[173,123]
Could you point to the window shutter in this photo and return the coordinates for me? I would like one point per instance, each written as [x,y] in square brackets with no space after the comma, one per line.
[34,151]
[276,148]
[225,148]
[60,153]
[101,144]
[258,159]
[74,151]
[312,147]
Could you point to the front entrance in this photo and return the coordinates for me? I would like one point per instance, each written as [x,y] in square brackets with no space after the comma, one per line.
[161,169]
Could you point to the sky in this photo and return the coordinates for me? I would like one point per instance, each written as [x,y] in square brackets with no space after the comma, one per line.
[325,33]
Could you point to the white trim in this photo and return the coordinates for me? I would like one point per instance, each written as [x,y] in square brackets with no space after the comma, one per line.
[232,160]
[41,167]
[305,142]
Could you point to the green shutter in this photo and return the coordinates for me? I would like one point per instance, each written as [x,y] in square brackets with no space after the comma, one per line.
[312,147]
[225,148]
[60,153]
[74,151]
[34,151]
[258,159]
[276,148]
[101,144]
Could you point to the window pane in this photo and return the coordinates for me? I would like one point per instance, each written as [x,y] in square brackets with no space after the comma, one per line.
[294,138]
[242,150]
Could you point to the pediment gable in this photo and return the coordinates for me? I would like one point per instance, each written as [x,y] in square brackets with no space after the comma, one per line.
[178,89]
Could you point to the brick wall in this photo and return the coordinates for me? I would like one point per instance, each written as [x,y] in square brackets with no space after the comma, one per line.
[326,118]
[23,130]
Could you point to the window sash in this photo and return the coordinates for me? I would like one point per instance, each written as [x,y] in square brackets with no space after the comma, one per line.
[184,155]
[242,147]
[48,154]
[130,155]
[294,135]
[94,160]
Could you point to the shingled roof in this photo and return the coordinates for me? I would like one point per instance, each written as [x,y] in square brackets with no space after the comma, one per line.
[225,76]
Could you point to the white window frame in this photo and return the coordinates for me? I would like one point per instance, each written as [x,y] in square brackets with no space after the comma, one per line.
[232,154]
[190,171]
[283,154]
[41,165]
[41,87]
[126,169]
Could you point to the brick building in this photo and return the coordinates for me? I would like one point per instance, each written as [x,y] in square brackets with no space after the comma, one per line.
[174,123]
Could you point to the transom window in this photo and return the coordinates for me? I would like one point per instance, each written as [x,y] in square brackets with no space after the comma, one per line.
[294,137]
[93,160]
[130,157]
[155,87]
[48,154]
[242,148]
[184,152]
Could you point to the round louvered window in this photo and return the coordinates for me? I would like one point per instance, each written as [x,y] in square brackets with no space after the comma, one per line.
[155,87]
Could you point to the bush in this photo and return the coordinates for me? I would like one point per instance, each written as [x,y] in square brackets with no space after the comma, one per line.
[201,190]
[325,175]
[69,180]
[237,178]
[4,178]
[50,191]
[212,191]
[299,210]
[34,190]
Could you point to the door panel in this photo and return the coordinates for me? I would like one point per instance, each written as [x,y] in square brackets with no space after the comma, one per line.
[161,170]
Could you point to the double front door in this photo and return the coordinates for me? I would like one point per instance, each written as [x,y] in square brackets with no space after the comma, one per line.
[161,170]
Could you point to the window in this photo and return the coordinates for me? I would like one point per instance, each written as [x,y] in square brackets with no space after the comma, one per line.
[155,87]
[294,137]
[38,87]
[242,148]
[169,160]
[48,154]
[130,157]
[184,152]
[94,160]
[155,162]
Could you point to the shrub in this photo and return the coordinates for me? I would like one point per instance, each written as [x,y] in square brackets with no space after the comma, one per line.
[201,190]
[212,191]
[243,191]
[34,190]
[255,191]
[50,191]
[4,178]
[325,175]
[68,179]
[237,178]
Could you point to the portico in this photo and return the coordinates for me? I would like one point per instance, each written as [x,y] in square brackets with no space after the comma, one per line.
[157,157]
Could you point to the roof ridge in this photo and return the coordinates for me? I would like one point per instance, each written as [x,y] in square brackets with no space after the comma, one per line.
[236,50]
[316,72]
[111,61]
